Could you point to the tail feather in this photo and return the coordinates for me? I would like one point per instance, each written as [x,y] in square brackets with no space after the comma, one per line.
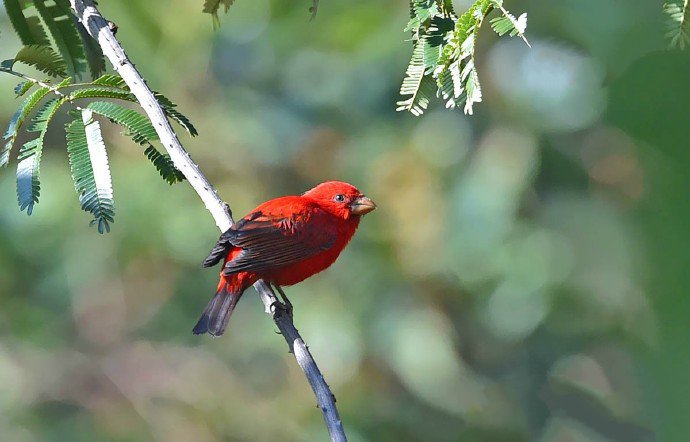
[215,318]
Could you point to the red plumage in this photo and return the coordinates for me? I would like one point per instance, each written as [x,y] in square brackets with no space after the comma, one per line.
[283,241]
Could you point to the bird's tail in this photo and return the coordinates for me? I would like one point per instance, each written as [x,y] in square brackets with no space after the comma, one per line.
[215,318]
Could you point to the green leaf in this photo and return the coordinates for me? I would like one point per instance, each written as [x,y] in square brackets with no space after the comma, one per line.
[101,92]
[28,29]
[94,55]
[23,87]
[509,24]
[42,58]
[88,161]
[28,183]
[418,86]
[142,132]
[677,23]
[169,108]
[111,80]
[212,6]
[164,165]
[57,20]
[22,113]
[137,125]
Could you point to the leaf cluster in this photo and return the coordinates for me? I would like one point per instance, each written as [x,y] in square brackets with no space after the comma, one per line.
[443,53]
[56,44]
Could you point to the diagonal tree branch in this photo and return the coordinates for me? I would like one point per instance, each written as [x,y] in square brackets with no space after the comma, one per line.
[98,28]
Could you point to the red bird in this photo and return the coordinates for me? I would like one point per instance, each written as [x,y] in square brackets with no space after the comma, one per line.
[283,241]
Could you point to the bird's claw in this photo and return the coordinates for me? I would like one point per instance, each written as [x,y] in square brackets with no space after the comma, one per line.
[286,308]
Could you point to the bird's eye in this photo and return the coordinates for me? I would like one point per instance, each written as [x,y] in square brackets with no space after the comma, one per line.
[339,198]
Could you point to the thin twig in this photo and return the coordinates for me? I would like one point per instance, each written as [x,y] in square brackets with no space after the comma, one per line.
[98,28]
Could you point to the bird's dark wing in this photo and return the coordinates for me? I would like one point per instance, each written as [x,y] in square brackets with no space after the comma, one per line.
[270,242]
[224,244]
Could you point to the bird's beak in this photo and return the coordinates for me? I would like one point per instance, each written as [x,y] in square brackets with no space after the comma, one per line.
[362,205]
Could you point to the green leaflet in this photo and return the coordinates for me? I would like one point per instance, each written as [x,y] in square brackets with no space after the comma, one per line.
[417,85]
[28,29]
[164,165]
[42,58]
[111,80]
[101,92]
[169,108]
[23,87]
[142,132]
[24,110]
[88,161]
[94,55]
[137,125]
[28,183]
[63,32]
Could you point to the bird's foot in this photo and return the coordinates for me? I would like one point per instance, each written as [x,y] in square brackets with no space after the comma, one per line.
[279,306]
[286,302]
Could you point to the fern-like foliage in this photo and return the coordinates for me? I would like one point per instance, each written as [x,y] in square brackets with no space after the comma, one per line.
[66,37]
[43,58]
[23,87]
[18,119]
[142,132]
[137,126]
[28,183]
[677,23]
[51,24]
[88,161]
[86,149]
[166,168]
[442,61]
[29,28]
[56,44]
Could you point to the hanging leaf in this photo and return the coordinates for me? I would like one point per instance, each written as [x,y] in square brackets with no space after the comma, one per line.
[94,55]
[417,85]
[42,58]
[164,165]
[137,125]
[28,29]
[169,108]
[63,32]
[24,110]
[28,183]
[88,161]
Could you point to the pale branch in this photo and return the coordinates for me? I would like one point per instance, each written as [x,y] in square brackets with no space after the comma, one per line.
[98,28]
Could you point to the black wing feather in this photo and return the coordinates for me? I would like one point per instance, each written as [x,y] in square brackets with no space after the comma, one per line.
[225,242]
[269,242]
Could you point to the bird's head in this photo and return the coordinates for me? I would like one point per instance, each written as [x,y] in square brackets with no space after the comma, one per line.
[341,199]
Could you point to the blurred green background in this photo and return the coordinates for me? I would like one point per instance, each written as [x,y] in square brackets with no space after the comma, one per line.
[524,277]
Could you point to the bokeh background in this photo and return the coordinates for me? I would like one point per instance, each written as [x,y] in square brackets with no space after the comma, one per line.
[524,277]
